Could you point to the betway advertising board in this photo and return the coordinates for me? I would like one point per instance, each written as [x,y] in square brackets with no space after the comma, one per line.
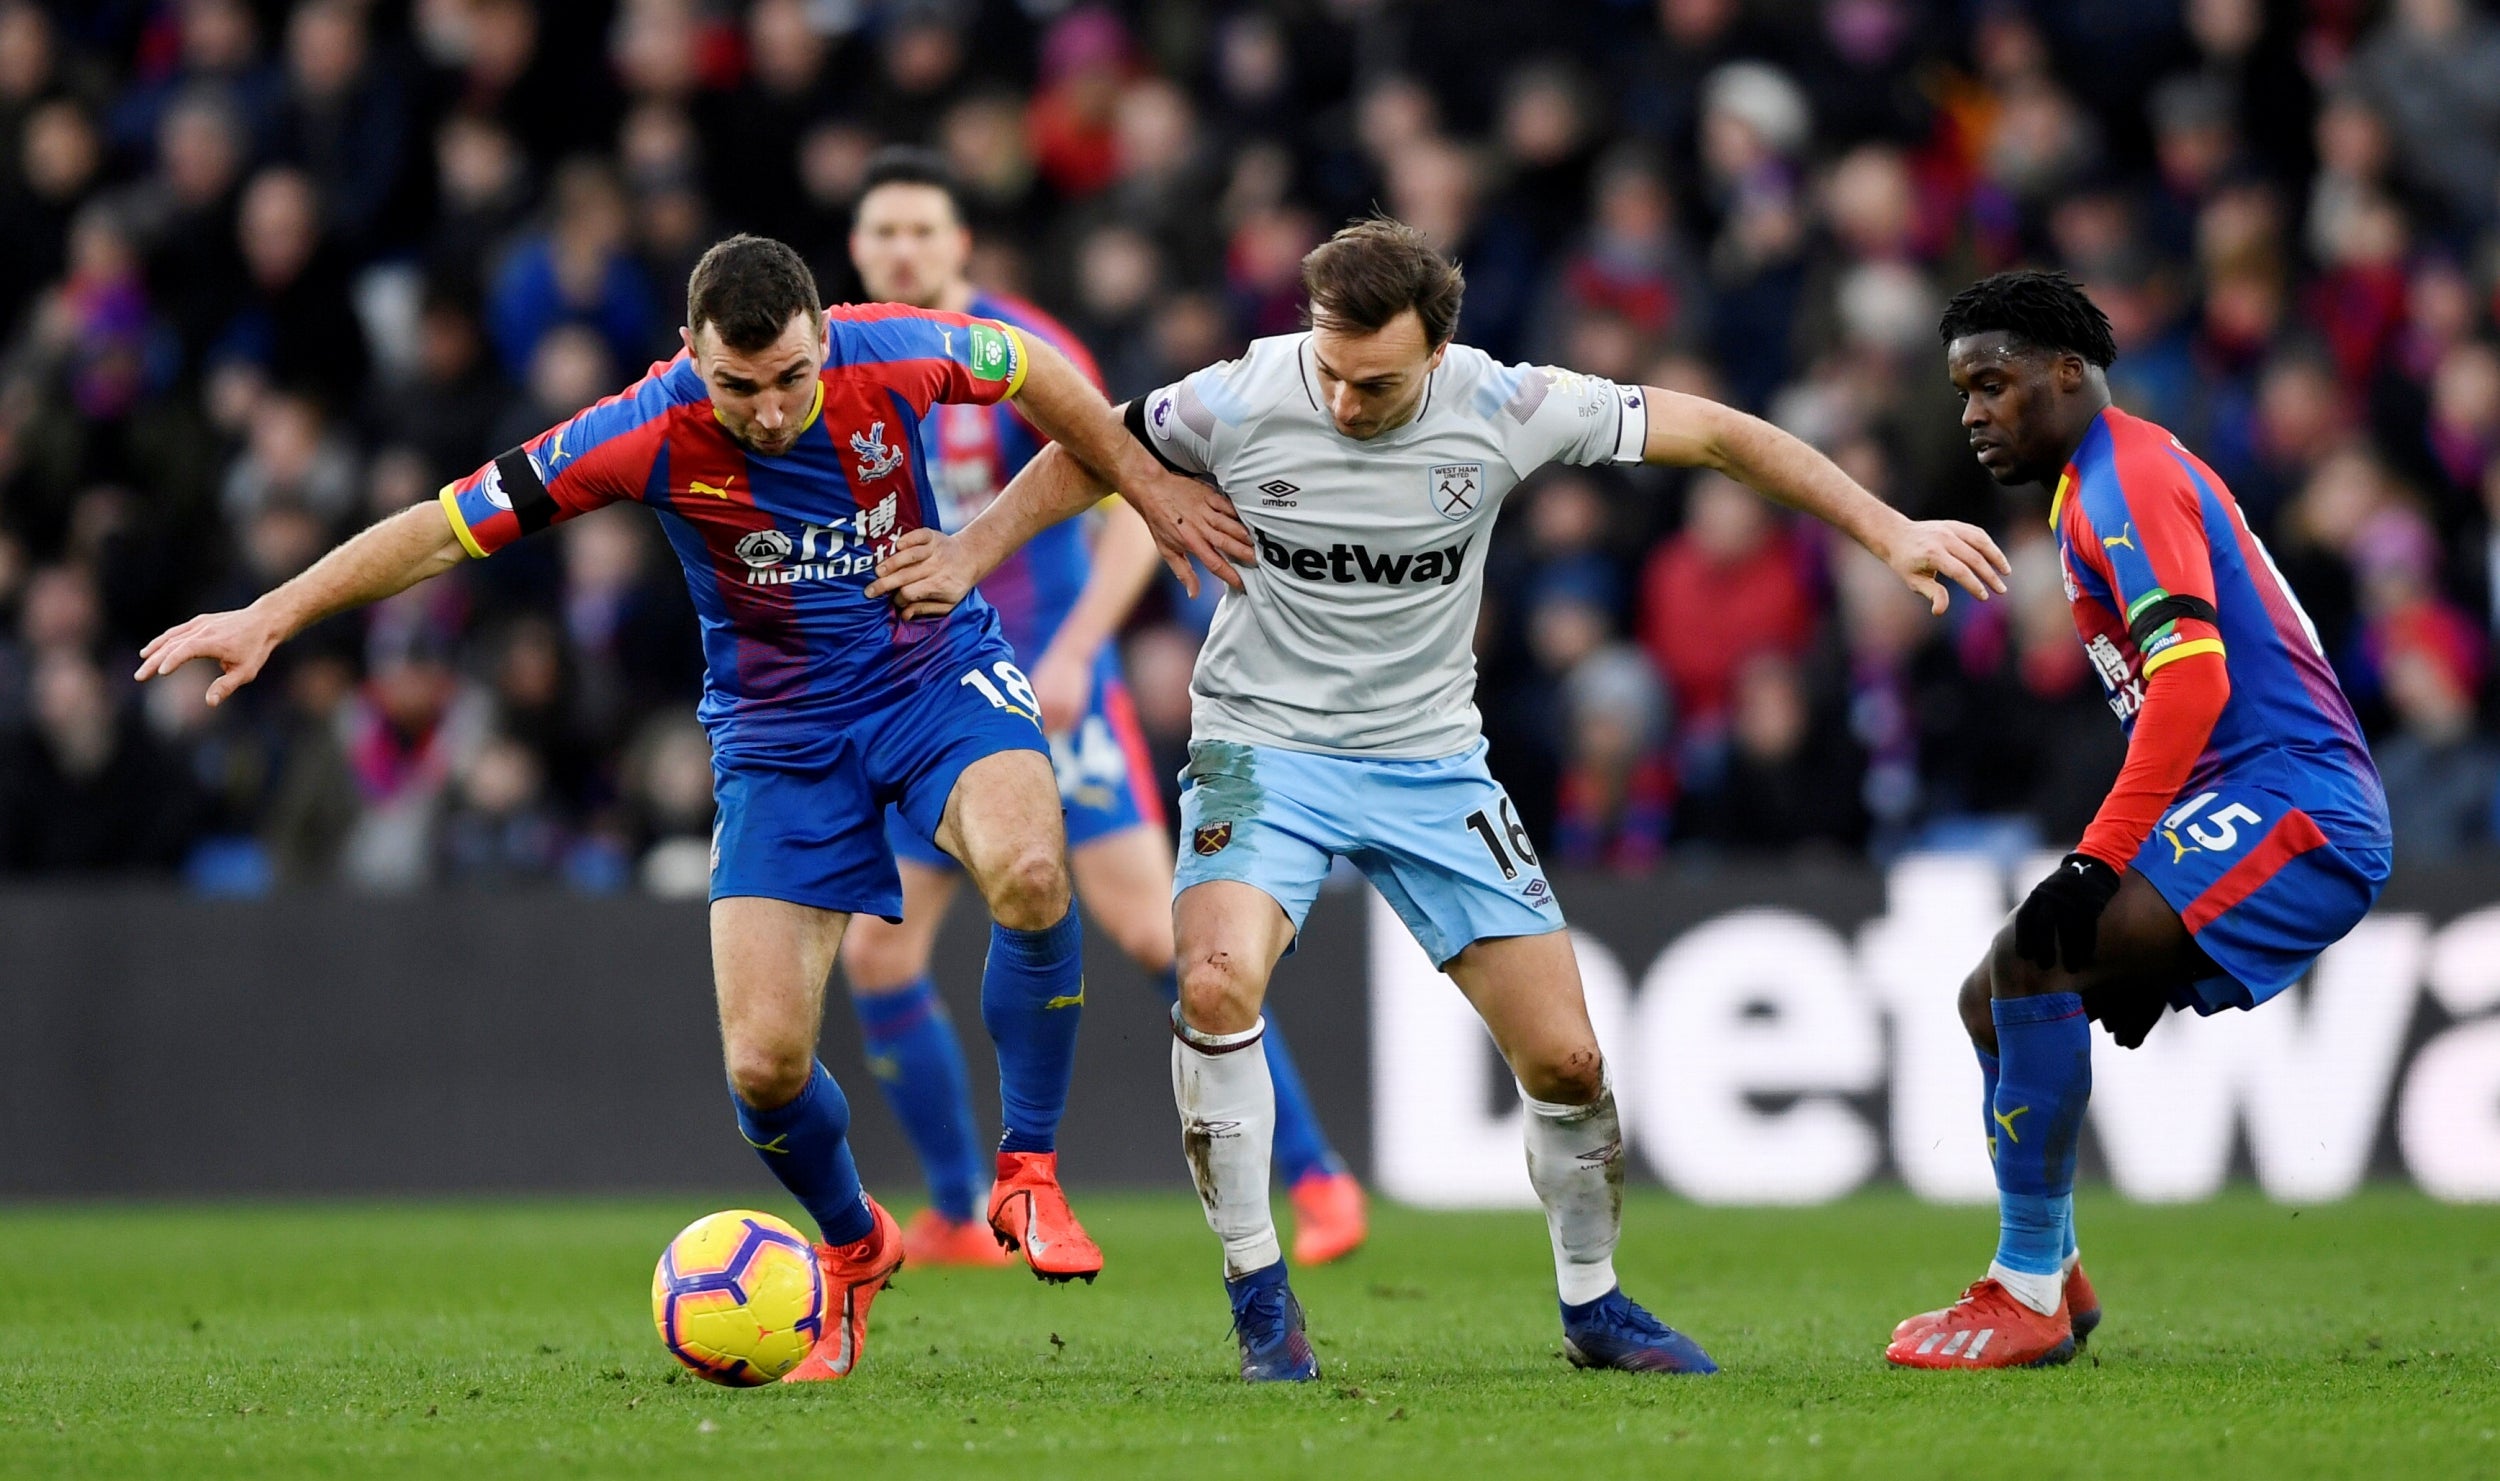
[1787,1038]
[1776,1036]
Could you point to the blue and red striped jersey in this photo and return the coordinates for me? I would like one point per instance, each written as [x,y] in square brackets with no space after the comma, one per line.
[2159,564]
[778,550]
[973,452]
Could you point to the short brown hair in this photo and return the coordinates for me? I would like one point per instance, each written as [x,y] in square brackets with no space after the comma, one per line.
[1376,269]
[748,289]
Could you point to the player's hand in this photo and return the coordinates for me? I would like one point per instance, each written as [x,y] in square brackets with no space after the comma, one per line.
[1190,521]
[1929,552]
[926,574]
[1064,684]
[2129,1013]
[239,641]
[2061,917]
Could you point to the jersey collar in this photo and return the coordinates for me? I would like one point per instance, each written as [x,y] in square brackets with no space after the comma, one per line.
[2066,475]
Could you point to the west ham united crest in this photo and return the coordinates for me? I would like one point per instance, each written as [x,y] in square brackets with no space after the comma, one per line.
[1211,839]
[1455,488]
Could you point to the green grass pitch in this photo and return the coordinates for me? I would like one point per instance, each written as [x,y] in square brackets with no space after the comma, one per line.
[512,1339]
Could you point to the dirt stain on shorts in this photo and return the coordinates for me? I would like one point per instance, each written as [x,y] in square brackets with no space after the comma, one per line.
[1224,785]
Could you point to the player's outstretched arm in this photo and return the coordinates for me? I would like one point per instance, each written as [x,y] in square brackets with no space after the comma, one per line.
[385,559]
[1190,521]
[1689,431]
[927,572]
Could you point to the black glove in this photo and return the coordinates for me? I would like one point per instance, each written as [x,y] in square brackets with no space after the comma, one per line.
[2128,1012]
[2061,917]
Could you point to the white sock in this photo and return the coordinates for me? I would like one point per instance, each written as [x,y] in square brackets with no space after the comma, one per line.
[1228,1126]
[2041,1293]
[2066,1267]
[1575,1160]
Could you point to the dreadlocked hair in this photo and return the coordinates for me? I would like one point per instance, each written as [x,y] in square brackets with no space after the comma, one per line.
[2040,310]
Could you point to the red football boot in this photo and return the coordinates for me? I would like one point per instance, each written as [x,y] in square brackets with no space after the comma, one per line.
[2081,1301]
[931,1240]
[1029,1212]
[1987,1328]
[1330,1220]
[854,1274]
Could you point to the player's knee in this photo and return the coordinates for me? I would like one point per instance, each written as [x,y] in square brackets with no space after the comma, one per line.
[2009,975]
[1568,1076]
[1143,937]
[880,963]
[769,1075]
[1030,891]
[1219,994]
[1978,1020]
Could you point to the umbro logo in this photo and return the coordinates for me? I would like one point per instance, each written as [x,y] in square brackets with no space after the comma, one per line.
[1278,494]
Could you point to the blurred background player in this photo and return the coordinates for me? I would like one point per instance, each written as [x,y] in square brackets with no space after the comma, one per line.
[764,449]
[1335,717]
[1062,600]
[2246,833]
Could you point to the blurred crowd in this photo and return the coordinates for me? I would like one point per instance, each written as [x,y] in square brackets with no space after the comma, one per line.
[269,270]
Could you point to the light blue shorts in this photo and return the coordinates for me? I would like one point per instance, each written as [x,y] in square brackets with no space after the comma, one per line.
[1439,839]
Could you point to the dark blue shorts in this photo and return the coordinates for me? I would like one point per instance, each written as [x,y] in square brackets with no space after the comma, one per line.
[1106,778]
[802,817]
[2259,884]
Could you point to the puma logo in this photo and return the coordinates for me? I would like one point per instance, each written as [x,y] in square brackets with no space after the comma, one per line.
[716,490]
[2125,536]
[2006,1120]
[2179,849]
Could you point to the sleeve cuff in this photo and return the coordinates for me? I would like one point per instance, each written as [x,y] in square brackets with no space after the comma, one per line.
[2173,654]
[1632,428]
[459,525]
[1024,358]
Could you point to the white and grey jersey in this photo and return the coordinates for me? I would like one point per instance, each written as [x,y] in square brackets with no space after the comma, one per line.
[1355,633]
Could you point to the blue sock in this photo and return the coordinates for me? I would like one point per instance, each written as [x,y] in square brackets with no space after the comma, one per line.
[803,1143]
[1301,1148]
[2044,1048]
[913,1052]
[1032,996]
[1987,1113]
[1988,1098]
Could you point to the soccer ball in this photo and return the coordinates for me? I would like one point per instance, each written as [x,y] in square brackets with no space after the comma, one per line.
[738,1297]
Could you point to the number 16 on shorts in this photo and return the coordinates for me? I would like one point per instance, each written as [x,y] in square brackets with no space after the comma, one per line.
[1484,828]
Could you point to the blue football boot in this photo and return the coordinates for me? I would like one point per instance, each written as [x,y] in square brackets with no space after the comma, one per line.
[1614,1332]
[1268,1321]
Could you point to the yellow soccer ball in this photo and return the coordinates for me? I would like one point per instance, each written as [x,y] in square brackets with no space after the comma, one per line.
[738,1297]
